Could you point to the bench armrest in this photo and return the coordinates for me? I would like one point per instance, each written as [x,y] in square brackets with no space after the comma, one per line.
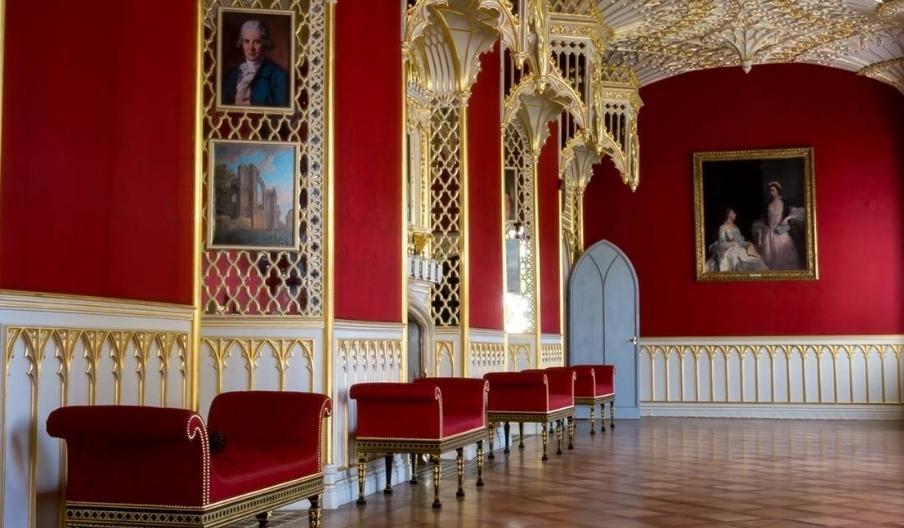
[517,392]
[585,381]
[605,374]
[461,396]
[270,419]
[561,380]
[134,455]
[397,410]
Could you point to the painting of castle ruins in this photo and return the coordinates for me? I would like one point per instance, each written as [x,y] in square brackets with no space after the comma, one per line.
[253,194]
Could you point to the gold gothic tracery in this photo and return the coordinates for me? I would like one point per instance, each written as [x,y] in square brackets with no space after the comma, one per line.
[660,39]
[263,282]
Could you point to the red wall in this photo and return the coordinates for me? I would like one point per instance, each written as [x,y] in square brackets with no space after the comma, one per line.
[485,185]
[855,125]
[98,149]
[368,162]
[548,186]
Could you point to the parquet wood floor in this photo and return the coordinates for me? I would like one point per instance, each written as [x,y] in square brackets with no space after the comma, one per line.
[667,472]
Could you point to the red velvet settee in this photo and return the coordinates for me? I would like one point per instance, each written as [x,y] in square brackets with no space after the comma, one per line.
[595,385]
[531,396]
[430,416]
[150,466]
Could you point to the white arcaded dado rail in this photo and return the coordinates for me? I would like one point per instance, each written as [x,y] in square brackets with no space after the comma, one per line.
[858,377]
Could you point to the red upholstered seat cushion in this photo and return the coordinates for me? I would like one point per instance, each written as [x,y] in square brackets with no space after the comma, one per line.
[558,401]
[454,424]
[235,472]
[604,389]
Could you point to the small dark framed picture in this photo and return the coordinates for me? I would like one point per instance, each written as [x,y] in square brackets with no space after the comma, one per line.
[253,195]
[255,60]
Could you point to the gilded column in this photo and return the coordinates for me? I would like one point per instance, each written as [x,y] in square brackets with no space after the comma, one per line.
[535,242]
[464,225]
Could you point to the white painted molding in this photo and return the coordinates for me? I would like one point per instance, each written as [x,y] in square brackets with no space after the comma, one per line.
[551,339]
[57,303]
[486,335]
[259,322]
[368,328]
[890,339]
[775,410]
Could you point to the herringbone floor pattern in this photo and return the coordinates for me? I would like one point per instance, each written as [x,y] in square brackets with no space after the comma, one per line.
[662,472]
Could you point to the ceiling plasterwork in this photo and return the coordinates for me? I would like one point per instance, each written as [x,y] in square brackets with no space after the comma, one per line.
[661,38]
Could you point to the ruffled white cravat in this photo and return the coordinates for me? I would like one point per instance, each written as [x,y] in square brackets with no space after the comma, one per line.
[247,71]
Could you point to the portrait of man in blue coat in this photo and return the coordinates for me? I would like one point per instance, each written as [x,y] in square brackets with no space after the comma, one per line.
[257,81]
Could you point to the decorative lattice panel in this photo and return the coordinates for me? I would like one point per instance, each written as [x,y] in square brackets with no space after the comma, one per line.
[519,161]
[286,282]
[571,57]
[445,190]
[571,7]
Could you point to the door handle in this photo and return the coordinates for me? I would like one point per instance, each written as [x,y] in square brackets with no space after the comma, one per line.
[633,340]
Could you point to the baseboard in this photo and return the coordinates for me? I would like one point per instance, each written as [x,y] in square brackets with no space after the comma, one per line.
[781,411]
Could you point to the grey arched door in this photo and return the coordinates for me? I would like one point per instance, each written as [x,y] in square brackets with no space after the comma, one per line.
[603,319]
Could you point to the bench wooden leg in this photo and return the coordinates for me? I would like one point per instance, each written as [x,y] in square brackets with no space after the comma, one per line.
[507,430]
[388,489]
[603,417]
[479,463]
[436,477]
[571,427]
[315,512]
[263,519]
[612,414]
[362,468]
[593,419]
[414,460]
[460,471]
[491,429]
[521,436]
[545,440]
[559,436]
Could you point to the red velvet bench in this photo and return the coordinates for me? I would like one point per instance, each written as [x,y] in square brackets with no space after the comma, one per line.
[530,396]
[150,466]
[595,385]
[430,416]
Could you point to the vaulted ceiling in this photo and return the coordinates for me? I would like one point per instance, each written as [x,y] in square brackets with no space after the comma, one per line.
[661,38]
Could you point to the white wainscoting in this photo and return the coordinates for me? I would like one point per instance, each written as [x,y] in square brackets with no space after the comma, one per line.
[522,352]
[793,377]
[552,350]
[259,354]
[362,352]
[487,352]
[63,350]
[447,353]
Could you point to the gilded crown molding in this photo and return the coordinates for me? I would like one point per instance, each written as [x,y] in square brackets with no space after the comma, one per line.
[891,10]
[890,71]
[661,39]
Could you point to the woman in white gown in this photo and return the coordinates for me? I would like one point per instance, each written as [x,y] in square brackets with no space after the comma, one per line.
[731,252]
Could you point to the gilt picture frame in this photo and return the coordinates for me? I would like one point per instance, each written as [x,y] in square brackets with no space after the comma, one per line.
[255,72]
[253,195]
[755,215]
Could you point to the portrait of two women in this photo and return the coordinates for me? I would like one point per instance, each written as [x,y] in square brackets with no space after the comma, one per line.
[755,215]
